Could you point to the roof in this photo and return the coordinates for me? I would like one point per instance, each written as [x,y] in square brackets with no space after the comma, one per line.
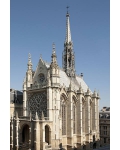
[65,80]
[105,113]
[105,109]
[16,96]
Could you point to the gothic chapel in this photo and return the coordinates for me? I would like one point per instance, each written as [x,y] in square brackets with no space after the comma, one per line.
[59,110]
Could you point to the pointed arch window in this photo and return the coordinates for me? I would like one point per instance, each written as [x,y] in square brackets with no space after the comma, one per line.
[83,114]
[63,110]
[74,116]
[63,119]
[91,121]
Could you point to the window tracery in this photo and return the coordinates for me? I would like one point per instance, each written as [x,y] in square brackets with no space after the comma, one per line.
[83,114]
[74,119]
[38,103]
[63,108]
[74,115]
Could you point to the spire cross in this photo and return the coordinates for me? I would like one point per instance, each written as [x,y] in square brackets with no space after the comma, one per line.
[67,8]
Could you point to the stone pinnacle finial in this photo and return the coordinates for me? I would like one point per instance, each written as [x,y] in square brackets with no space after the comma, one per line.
[29,57]
[29,62]
[54,56]
[36,116]
[16,114]
[98,94]
[88,90]
[53,47]
[42,115]
[95,93]
[68,32]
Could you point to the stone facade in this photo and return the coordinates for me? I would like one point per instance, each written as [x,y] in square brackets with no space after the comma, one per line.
[59,109]
[104,121]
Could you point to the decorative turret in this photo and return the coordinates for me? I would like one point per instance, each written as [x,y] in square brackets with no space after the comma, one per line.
[54,58]
[68,54]
[29,62]
[48,79]
[29,71]
[94,94]
[54,69]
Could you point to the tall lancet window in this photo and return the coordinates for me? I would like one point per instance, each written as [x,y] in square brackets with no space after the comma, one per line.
[74,119]
[74,116]
[91,115]
[83,115]
[63,110]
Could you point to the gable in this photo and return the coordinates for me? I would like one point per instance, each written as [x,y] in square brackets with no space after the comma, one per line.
[40,74]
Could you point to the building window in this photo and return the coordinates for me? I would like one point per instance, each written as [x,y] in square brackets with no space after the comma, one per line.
[105,132]
[63,119]
[105,127]
[104,140]
[83,114]
[74,120]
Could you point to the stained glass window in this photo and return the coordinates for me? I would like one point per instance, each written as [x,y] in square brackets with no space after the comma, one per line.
[38,103]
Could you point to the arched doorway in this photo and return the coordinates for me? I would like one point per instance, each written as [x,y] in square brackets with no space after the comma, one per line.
[84,147]
[25,134]
[47,134]
[94,145]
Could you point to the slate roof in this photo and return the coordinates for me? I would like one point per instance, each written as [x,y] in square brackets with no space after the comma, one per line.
[105,113]
[65,80]
[16,96]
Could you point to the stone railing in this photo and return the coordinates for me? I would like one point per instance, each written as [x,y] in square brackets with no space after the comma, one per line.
[37,86]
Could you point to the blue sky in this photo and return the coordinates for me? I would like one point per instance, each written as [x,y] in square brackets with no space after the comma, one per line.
[35,25]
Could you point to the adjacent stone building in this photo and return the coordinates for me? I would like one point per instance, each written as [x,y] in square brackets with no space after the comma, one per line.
[59,109]
[104,121]
[16,102]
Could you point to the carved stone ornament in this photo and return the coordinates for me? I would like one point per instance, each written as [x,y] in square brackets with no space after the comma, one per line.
[41,69]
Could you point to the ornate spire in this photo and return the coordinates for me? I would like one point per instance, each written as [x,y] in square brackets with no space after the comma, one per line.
[29,62]
[54,57]
[29,58]
[68,54]
[53,46]
[68,32]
